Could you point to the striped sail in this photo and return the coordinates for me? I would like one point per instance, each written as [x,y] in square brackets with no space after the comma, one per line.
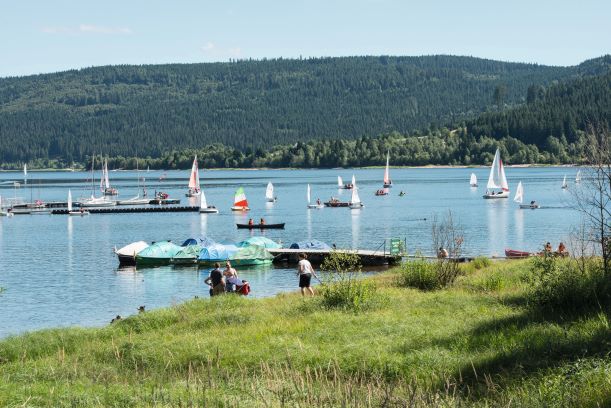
[194,179]
[239,200]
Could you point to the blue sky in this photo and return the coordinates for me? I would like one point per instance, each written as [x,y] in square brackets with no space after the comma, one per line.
[48,36]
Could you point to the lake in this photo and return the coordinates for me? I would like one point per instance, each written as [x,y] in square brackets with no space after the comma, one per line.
[61,271]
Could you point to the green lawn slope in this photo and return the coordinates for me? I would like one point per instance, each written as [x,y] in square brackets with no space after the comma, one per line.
[477,344]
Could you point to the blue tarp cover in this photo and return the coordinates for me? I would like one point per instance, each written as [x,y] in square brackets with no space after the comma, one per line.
[218,252]
[161,250]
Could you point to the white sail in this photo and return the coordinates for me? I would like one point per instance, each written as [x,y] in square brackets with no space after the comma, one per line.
[473,180]
[308,194]
[202,200]
[106,181]
[355,200]
[564,185]
[578,177]
[386,171]
[340,183]
[519,197]
[25,170]
[269,192]
[497,174]
[69,200]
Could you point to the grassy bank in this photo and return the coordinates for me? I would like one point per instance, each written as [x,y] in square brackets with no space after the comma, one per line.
[478,343]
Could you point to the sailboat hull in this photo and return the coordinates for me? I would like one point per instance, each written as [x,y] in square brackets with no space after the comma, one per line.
[315,206]
[209,210]
[193,193]
[387,185]
[501,194]
[529,207]
[239,208]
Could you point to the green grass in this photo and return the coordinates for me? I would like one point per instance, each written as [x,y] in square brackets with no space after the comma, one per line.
[477,343]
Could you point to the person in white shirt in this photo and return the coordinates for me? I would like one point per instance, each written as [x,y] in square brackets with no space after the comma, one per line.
[305,272]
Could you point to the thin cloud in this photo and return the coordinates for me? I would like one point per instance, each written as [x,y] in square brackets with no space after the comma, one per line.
[87,29]
[215,52]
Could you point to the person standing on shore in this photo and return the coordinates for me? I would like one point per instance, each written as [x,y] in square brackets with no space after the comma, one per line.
[231,276]
[216,280]
[305,272]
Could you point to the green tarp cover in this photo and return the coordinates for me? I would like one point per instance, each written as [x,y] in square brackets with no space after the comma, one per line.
[160,250]
[260,241]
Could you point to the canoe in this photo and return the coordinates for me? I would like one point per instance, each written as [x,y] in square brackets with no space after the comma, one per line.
[261,226]
[513,254]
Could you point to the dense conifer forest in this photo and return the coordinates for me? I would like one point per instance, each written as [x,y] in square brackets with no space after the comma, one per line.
[304,113]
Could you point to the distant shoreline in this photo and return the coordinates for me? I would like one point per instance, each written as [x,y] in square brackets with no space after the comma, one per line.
[428,166]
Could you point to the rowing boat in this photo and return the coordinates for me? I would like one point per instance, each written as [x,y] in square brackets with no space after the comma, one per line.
[261,226]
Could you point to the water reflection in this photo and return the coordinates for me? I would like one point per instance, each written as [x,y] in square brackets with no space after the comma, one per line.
[519,227]
[497,225]
[356,227]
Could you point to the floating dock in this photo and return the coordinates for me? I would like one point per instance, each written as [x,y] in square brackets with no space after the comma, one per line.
[129,209]
[317,256]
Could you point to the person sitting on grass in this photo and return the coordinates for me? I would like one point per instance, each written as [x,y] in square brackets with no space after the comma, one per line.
[442,253]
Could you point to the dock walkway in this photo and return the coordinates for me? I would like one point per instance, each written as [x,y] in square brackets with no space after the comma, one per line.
[129,209]
[317,256]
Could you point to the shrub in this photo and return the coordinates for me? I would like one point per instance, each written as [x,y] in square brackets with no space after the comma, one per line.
[568,284]
[481,262]
[346,289]
[419,274]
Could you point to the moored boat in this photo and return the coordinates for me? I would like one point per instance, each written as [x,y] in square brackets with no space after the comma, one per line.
[159,253]
[513,254]
[107,190]
[127,254]
[204,208]
[81,212]
[497,179]
[4,213]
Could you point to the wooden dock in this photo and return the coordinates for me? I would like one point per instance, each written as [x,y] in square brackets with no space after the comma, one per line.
[130,209]
[317,256]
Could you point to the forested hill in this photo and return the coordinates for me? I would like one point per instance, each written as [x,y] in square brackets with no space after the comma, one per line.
[150,110]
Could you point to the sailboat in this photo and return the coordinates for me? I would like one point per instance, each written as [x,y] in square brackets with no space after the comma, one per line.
[136,200]
[497,179]
[240,203]
[105,182]
[473,180]
[578,177]
[341,185]
[25,174]
[269,193]
[564,184]
[94,201]
[355,201]
[4,213]
[194,189]
[318,204]
[70,212]
[204,208]
[519,198]
[387,180]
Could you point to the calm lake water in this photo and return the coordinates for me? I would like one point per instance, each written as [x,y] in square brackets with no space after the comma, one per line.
[61,271]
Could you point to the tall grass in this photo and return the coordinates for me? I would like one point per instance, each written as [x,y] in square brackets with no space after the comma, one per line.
[451,347]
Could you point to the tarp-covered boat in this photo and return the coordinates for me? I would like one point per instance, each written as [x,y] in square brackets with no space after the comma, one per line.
[261,241]
[127,254]
[160,253]
[187,255]
[239,256]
